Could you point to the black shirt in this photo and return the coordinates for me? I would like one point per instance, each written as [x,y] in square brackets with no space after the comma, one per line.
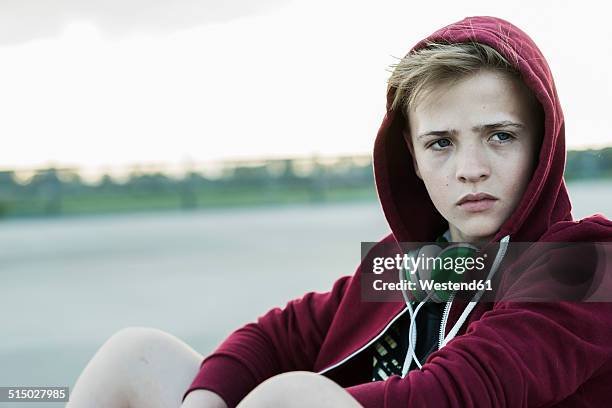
[389,351]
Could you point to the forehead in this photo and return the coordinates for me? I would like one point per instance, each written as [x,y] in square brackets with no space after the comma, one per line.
[486,96]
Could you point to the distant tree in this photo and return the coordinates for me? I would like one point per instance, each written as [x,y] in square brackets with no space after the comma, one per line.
[150,183]
[249,176]
[46,185]
[189,187]
[107,185]
[589,163]
[8,185]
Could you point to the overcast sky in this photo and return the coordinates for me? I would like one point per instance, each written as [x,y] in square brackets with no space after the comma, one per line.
[115,82]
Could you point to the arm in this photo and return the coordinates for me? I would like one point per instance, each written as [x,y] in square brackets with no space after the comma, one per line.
[203,399]
[517,355]
[280,341]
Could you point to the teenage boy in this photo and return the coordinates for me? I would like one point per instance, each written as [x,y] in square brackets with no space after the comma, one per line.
[471,149]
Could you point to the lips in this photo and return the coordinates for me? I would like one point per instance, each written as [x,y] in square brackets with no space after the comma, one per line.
[476,202]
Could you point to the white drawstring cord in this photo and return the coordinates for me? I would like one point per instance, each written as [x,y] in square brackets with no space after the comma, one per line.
[411,354]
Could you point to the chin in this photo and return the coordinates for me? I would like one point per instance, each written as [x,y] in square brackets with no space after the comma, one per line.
[480,230]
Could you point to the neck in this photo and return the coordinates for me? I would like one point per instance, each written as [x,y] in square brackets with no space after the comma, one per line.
[458,236]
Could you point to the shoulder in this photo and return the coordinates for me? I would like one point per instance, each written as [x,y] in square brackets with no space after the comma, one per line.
[594,228]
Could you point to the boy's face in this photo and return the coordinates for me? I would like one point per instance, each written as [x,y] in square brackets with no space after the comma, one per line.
[480,134]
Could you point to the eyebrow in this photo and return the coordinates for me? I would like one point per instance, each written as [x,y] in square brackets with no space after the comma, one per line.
[478,128]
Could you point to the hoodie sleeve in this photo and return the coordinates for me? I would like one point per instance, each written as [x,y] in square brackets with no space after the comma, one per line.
[516,355]
[281,340]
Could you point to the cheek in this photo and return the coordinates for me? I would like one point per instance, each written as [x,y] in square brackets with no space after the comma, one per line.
[523,165]
[437,185]
[515,173]
[434,176]
[429,166]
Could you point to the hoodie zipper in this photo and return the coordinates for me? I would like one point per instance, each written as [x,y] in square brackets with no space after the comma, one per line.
[379,335]
[501,252]
[445,314]
[359,350]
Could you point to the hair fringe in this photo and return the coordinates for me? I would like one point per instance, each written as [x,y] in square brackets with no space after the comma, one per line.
[439,62]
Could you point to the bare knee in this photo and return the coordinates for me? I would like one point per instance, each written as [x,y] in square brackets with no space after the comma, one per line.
[299,389]
[148,361]
[131,344]
[107,379]
[136,335]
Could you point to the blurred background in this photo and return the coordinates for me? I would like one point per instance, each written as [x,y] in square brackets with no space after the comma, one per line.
[188,165]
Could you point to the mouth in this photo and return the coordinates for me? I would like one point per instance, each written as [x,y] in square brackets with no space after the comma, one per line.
[476,202]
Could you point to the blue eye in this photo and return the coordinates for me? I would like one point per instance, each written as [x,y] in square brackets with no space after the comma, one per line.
[441,145]
[503,137]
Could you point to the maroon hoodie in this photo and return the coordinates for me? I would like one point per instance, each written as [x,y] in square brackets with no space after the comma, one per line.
[517,354]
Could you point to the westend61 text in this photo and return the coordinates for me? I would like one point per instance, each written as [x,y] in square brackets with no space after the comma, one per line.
[429,285]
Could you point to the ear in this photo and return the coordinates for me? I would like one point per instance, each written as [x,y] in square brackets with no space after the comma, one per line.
[408,141]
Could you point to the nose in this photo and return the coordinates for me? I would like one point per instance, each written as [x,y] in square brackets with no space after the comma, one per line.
[472,165]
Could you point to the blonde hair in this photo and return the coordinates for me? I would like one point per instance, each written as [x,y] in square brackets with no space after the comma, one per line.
[438,63]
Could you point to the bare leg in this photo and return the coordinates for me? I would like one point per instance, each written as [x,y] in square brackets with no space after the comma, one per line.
[299,389]
[137,367]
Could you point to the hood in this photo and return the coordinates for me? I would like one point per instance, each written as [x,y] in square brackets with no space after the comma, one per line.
[409,210]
